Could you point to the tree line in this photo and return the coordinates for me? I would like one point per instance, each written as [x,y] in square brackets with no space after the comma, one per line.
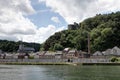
[104,30]
[11,46]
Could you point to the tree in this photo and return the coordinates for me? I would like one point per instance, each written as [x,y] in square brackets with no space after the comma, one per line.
[104,33]
[58,47]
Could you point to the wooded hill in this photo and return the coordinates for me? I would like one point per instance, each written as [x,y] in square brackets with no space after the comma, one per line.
[104,30]
[11,46]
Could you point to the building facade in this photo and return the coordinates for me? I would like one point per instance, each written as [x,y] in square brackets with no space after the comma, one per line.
[23,49]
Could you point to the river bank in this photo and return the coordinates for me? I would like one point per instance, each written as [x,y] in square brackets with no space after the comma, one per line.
[78,61]
[33,63]
[55,63]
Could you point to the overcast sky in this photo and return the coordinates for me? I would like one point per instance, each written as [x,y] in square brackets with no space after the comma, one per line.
[36,20]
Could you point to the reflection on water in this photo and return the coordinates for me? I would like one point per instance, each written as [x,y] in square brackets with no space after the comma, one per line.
[57,72]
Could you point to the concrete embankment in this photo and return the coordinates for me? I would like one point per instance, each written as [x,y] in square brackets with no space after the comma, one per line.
[55,63]
[34,63]
[81,61]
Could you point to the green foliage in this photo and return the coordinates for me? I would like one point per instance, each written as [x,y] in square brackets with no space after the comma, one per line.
[31,57]
[104,33]
[11,46]
[114,59]
[58,47]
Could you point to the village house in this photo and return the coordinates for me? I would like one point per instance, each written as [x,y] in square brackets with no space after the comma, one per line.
[46,55]
[23,49]
[67,53]
[98,53]
[115,51]
[107,52]
[72,54]
[58,54]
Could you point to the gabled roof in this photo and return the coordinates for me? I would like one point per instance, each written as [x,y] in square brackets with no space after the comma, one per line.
[66,49]
[107,52]
[98,53]
[114,51]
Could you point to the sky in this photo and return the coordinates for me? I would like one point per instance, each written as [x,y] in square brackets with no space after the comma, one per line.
[37,20]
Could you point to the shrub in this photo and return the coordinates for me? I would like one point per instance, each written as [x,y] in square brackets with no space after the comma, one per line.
[31,57]
[114,59]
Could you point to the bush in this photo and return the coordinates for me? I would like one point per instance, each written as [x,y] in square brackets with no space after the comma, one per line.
[58,46]
[114,59]
[31,57]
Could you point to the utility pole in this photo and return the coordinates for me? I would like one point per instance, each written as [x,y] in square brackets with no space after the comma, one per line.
[88,43]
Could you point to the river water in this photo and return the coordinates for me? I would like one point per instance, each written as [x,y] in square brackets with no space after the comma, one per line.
[59,72]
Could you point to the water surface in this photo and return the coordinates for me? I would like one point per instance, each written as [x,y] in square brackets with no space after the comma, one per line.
[59,72]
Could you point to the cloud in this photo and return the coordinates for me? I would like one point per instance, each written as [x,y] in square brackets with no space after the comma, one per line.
[41,1]
[42,34]
[78,10]
[55,19]
[13,23]
[8,37]
[15,26]
[12,20]
[18,6]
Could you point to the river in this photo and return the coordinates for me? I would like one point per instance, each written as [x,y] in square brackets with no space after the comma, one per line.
[59,72]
